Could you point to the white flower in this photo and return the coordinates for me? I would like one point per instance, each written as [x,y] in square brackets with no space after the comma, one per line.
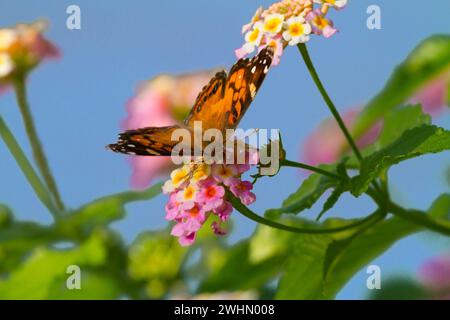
[6,64]
[297,31]
[255,19]
[273,23]
[253,37]
[337,4]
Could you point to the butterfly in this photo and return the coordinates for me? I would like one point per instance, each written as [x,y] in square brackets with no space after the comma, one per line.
[221,104]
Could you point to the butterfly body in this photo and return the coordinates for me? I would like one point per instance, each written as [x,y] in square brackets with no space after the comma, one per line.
[220,105]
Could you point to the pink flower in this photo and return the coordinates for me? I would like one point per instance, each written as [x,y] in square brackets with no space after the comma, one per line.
[217,229]
[172,207]
[223,172]
[327,144]
[435,274]
[211,194]
[196,191]
[224,211]
[433,95]
[241,189]
[164,100]
[185,238]
[320,25]
[240,53]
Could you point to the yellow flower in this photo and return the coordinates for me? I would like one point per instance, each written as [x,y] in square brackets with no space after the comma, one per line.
[253,37]
[200,172]
[179,176]
[189,193]
[273,23]
[224,172]
[297,31]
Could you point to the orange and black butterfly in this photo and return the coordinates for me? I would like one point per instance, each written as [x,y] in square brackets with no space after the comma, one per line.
[220,105]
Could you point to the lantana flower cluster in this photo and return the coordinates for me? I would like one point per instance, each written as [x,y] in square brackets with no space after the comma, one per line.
[197,191]
[288,22]
[22,48]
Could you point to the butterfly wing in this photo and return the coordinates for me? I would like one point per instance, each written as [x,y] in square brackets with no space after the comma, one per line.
[150,141]
[208,105]
[224,101]
[221,104]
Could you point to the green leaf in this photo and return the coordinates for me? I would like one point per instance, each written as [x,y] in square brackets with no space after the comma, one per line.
[427,61]
[302,277]
[156,257]
[106,209]
[400,289]
[18,238]
[413,143]
[400,120]
[232,269]
[251,263]
[320,265]
[46,269]
[307,194]
[6,216]
[95,285]
[440,208]
[448,94]
[366,246]
[331,201]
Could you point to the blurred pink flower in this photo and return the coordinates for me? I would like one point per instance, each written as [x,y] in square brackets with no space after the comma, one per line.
[162,101]
[434,274]
[22,48]
[434,94]
[327,143]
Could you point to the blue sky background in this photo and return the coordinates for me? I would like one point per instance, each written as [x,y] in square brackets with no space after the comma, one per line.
[79,100]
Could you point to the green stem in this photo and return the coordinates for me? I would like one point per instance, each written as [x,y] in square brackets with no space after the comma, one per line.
[384,178]
[289,163]
[131,196]
[420,218]
[36,146]
[237,204]
[26,167]
[304,52]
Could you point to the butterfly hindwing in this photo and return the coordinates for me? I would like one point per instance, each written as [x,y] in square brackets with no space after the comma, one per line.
[150,141]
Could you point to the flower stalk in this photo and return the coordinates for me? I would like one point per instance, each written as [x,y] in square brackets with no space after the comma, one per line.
[245,211]
[307,59]
[33,178]
[36,146]
[294,164]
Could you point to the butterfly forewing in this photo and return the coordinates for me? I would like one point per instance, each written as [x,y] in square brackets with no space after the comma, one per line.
[208,105]
[244,80]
